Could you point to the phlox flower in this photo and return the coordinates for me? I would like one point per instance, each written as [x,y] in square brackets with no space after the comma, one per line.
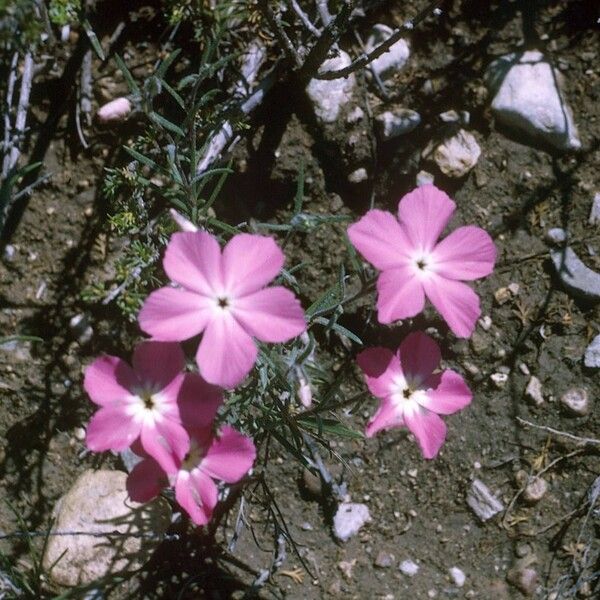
[414,264]
[410,393]
[226,457]
[223,296]
[146,404]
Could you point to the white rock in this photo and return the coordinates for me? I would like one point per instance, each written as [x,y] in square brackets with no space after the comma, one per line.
[348,520]
[482,502]
[579,279]
[98,503]
[556,235]
[595,210]
[358,176]
[534,391]
[424,178]
[535,490]
[458,576]
[399,122]
[329,96]
[9,253]
[576,401]
[392,60]
[591,358]
[409,567]
[457,155]
[485,322]
[499,379]
[527,98]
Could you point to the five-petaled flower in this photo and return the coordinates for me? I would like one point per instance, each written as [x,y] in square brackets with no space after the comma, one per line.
[223,296]
[147,404]
[226,457]
[414,264]
[410,393]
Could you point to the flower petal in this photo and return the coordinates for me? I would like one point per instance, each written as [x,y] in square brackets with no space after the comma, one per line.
[427,427]
[271,315]
[166,441]
[173,315]
[196,493]
[388,415]
[424,213]
[380,239]
[226,353]
[451,395]
[455,301]
[400,295]
[145,481]
[198,402]
[111,428]
[229,457]
[419,356]
[157,364]
[467,253]
[250,262]
[193,259]
[109,379]
[380,367]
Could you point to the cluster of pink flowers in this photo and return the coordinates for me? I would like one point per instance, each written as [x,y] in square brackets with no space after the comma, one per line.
[167,415]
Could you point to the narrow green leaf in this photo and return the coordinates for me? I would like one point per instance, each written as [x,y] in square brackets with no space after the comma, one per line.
[145,160]
[299,190]
[93,39]
[330,324]
[328,301]
[133,86]
[329,426]
[166,124]
[165,64]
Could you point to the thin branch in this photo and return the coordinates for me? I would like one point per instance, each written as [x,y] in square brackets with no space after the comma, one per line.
[12,78]
[285,42]
[304,18]
[570,436]
[323,8]
[364,59]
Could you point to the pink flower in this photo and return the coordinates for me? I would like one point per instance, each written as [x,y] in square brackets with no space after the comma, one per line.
[226,457]
[147,402]
[414,264]
[411,393]
[221,295]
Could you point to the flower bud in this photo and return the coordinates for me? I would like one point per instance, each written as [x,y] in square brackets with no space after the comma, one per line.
[115,110]
[304,392]
[183,223]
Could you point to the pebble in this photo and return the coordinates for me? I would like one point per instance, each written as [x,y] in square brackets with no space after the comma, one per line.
[576,401]
[525,579]
[81,329]
[424,178]
[391,125]
[524,369]
[384,560]
[485,322]
[528,99]
[349,519]
[346,567]
[577,278]
[499,379]
[8,255]
[591,358]
[556,235]
[534,391]
[391,61]
[329,96]
[458,576]
[451,116]
[535,490]
[594,218]
[482,502]
[358,176]
[502,295]
[409,567]
[79,433]
[457,155]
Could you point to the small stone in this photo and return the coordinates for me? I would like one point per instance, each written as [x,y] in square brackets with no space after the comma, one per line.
[329,96]
[556,235]
[485,322]
[502,295]
[524,369]
[346,567]
[306,526]
[514,288]
[591,358]
[457,155]
[482,502]
[576,401]
[458,576]
[499,379]
[391,125]
[312,483]
[594,218]
[479,343]
[391,61]
[535,490]
[384,560]
[525,579]
[409,568]
[358,176]
[355,115]
[481,179]
[527,98]
[79,433]
[533,391]
[424,178]
[349,519]
[98,503]
[8,255]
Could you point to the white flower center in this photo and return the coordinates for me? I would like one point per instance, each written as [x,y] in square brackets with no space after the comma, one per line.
[403,393]
[423,264]
[148,403]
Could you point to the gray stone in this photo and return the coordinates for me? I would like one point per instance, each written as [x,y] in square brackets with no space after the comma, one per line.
[391,61]
[349,519]
[9,252]
[401,121]
[591,358]
[527,98]
[358,176]
[482,502]
[556,235]
[595,210]
[457,155]
[409,567]
[577,278]
[98,503]
[384,560]
[576,401]
[458,576]
[424,178]
[329,96]
[534,391]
